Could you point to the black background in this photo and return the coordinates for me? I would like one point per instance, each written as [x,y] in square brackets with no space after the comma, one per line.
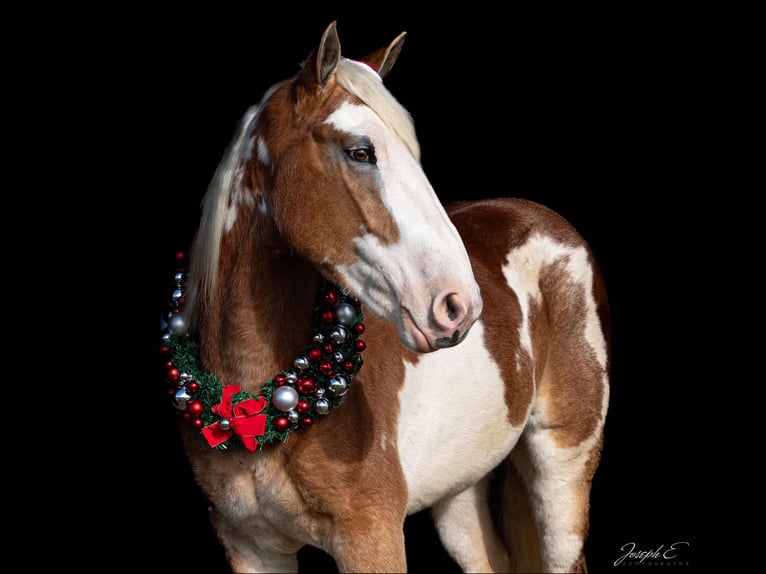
[595,115]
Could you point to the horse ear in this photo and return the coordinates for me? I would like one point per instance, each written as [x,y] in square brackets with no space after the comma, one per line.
[323,61]
[383,59]
[328,54]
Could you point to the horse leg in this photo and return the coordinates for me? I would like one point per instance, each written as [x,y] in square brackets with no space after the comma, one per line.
[260,549]
[367,545]
[467,531]
[558,482]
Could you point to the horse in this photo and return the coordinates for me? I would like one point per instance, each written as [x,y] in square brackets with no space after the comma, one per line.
[343,350]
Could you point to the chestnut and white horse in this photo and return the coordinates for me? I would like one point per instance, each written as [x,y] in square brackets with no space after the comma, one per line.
[474,385]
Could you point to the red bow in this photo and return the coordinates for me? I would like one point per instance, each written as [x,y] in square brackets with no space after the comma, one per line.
[243,418]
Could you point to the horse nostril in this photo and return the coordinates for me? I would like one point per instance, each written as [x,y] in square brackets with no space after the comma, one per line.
[452,308]
[448,311]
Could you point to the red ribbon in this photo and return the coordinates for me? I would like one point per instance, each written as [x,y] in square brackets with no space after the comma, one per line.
[243,417]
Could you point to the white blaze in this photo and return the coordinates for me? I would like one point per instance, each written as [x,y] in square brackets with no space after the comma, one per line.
[430,250]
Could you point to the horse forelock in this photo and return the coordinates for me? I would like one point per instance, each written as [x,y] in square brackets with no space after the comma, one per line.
[367,86]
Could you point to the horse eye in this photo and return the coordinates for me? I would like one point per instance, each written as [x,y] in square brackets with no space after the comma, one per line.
[361,154]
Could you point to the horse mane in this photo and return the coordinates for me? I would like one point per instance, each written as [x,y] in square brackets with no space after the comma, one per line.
[206,248]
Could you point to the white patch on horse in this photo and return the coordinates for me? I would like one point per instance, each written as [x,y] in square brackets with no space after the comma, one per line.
[558,470]
[452,401]
[239,196]
[522,272]
[262,207]
[263,152]
[427,237]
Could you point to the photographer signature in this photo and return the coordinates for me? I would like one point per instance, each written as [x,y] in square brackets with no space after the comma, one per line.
[633,555]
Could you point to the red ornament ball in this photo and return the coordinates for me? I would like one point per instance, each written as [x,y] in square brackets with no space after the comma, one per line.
[360,345]
[192,386]
[307,386]
[307,421]
[173,374]
[359,328]
[325,367]
[165,350]
[280,423]
[303,407]
[314,355]
[280,380]
[348,366]
[197,423]
[327,348]
[331,297]
[195,408]
[328,316]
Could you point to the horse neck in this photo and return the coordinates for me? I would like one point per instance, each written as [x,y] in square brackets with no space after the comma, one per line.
[261,314]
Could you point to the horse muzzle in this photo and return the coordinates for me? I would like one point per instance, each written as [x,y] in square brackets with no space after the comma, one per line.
[447,322]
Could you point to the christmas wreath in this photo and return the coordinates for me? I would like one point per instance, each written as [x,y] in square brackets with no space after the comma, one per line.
[292,399]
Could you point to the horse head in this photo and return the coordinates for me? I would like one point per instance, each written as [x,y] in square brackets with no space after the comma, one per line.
[334,163]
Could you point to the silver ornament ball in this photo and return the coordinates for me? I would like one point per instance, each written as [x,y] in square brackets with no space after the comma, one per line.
[322,406]
[292,416]
[339,334]
[181,398]
[339,385]
[285,398]
[302,363]
[177,324]
[225,424]
[345,313]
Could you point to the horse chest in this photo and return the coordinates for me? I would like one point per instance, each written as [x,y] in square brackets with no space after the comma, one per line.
[454,421]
